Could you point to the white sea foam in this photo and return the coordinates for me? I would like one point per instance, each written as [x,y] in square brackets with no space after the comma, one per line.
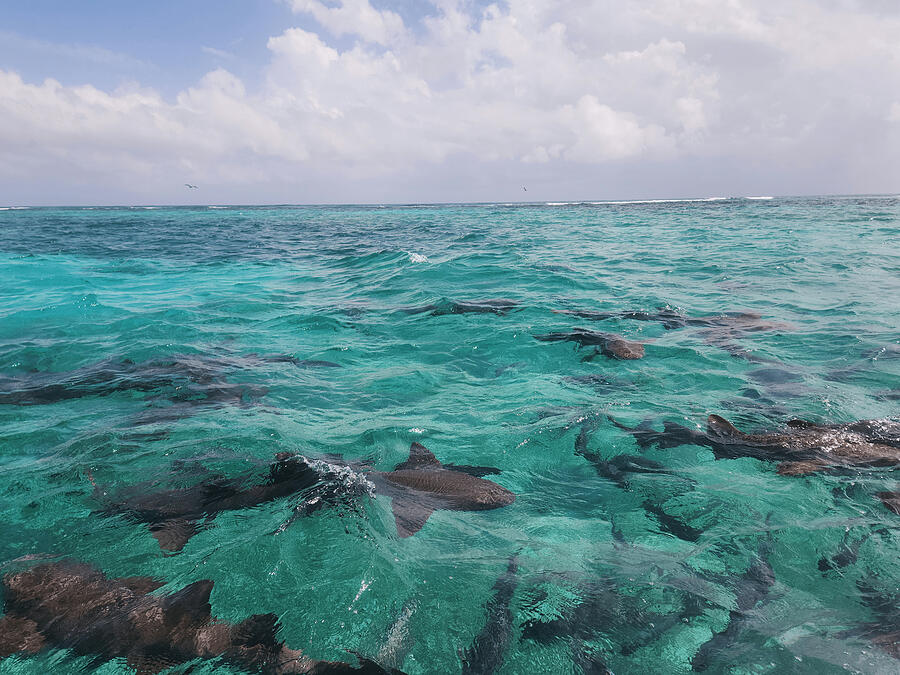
[661,201]
[217,207]
[766,198]
[14,208]
[363,587]
[417,258]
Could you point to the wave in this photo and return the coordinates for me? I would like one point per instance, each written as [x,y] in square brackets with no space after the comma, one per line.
[619,202]
[663,201]
[217,207]
[417,257]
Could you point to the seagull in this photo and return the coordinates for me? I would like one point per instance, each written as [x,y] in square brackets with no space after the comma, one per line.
[525,188]
[190,187]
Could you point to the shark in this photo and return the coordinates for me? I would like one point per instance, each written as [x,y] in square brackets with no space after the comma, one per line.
[670,319]
[485,655]
[495,306]
[805,447]
[175,515]
[75,606]
[848,553]
[602,612]
[719,330]
[619,467]
[802,448]
[751,590]
[193,376]
[609,344]
[422,484]
[883,631]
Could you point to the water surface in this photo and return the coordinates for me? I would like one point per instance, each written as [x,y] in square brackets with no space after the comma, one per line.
[226,287]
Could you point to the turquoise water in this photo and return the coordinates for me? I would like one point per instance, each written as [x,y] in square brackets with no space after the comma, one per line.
[82,287]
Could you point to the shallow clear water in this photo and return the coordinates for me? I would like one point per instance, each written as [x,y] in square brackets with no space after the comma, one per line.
[82,287]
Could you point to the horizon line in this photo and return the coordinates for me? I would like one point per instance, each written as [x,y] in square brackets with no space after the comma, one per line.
[542,202]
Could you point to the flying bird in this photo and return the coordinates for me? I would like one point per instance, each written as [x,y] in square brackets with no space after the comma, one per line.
[525,188]
[190,187]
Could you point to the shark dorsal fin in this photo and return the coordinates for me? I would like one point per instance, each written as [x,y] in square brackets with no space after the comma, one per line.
[191,603]
[722,427]
[259,629]
[420,457]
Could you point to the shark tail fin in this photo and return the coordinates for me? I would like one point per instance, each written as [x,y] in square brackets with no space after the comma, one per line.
[721,427]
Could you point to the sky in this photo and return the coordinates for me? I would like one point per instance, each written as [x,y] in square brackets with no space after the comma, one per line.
[386,101]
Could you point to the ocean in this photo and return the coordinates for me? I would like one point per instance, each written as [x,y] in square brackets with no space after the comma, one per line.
[158,348]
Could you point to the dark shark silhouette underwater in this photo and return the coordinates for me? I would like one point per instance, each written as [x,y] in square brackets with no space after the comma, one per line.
[176,515]
[182,375]
[485,655]
[417,487]
[720,330]
[72,605]
[499,306]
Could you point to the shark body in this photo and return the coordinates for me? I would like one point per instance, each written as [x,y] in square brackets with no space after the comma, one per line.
[802,448]
[174,516]
[805,447]
[609,344]
[72,605]
[751,590]
[421,485]
[485,655]
[498,306]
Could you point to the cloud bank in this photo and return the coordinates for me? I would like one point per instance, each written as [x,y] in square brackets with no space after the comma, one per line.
[552,90]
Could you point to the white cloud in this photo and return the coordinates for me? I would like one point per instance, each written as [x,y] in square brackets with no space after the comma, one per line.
[354,17]
[537,82]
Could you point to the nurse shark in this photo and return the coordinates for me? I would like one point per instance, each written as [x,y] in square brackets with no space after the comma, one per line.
[75,606]
[421,485]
